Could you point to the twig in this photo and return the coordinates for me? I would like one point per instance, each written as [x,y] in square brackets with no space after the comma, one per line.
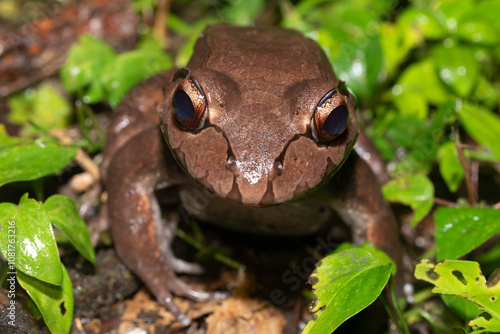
[444,202]
[160,26]
[474,172]
[81,158]
[467,173]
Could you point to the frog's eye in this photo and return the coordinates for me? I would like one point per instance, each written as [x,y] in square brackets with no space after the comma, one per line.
[190,104]
[330,117]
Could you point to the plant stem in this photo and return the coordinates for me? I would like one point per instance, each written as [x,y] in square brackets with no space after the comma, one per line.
[444,202]
[390,313]
[403,323]
[200,247]
[467,172]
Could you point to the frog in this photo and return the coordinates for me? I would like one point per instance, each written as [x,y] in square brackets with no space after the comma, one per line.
[255,134]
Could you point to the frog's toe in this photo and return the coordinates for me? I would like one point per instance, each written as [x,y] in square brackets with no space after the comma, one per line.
[183,267]
[178,287]
[167,301]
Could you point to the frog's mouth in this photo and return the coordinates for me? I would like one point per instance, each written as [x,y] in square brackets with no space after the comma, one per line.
[287,177]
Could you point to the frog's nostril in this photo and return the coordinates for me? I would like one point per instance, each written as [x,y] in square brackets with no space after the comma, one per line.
[278,166]
[231,163]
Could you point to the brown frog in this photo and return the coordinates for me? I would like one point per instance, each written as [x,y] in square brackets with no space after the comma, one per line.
[256,126]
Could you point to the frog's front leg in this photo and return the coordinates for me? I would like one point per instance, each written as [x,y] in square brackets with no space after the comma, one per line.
[360,203]
[141,237]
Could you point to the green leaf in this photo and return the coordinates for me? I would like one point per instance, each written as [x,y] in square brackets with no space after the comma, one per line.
[339,277]
[423,21]
[390,124]
[143,5]
[411,103]
[465,279]
[85,66]
[356,55]
[463,307]
[130,68]
[43,106]
[476,30]
[191,32]
[421,78]
[379,254]
[490,259]
[486,11]
[461,230]
[360,65]
[30,160]
[415,190]
[35,249]
[6,140]
[54,302]
[449,165]
[486,92]
[482,125]
[453,14]
[418,140]
[64,215]
[396,42]
[457,67]
[242,12]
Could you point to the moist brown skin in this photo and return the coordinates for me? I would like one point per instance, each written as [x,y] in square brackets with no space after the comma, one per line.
[254,166]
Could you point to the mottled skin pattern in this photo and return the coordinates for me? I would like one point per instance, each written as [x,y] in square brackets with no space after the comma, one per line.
[254,165]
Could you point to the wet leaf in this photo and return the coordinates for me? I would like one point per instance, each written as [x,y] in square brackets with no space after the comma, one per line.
[340,276]
[44,106]
[54,302]
[417,145]
[351,42]
[191,32]
[422,20]
[35,250]
[463,307]
[476,30]
[415,190]
[85,66]
[64,215]
[130,68]
[396,42]
[486,92]
[449,165]
[359,64]
[461,230]
[410,103]
[457,67]
[487,11]
[242,12]
[453,13]
[30,160]
[482,125]
[421,78]
[465,279]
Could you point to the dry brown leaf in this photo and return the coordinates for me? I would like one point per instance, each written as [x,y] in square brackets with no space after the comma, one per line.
[244,315]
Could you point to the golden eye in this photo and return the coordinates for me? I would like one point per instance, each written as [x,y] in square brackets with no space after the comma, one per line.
[189,104]
[330,117]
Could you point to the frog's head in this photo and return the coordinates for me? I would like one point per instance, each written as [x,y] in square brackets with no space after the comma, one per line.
[260,123]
